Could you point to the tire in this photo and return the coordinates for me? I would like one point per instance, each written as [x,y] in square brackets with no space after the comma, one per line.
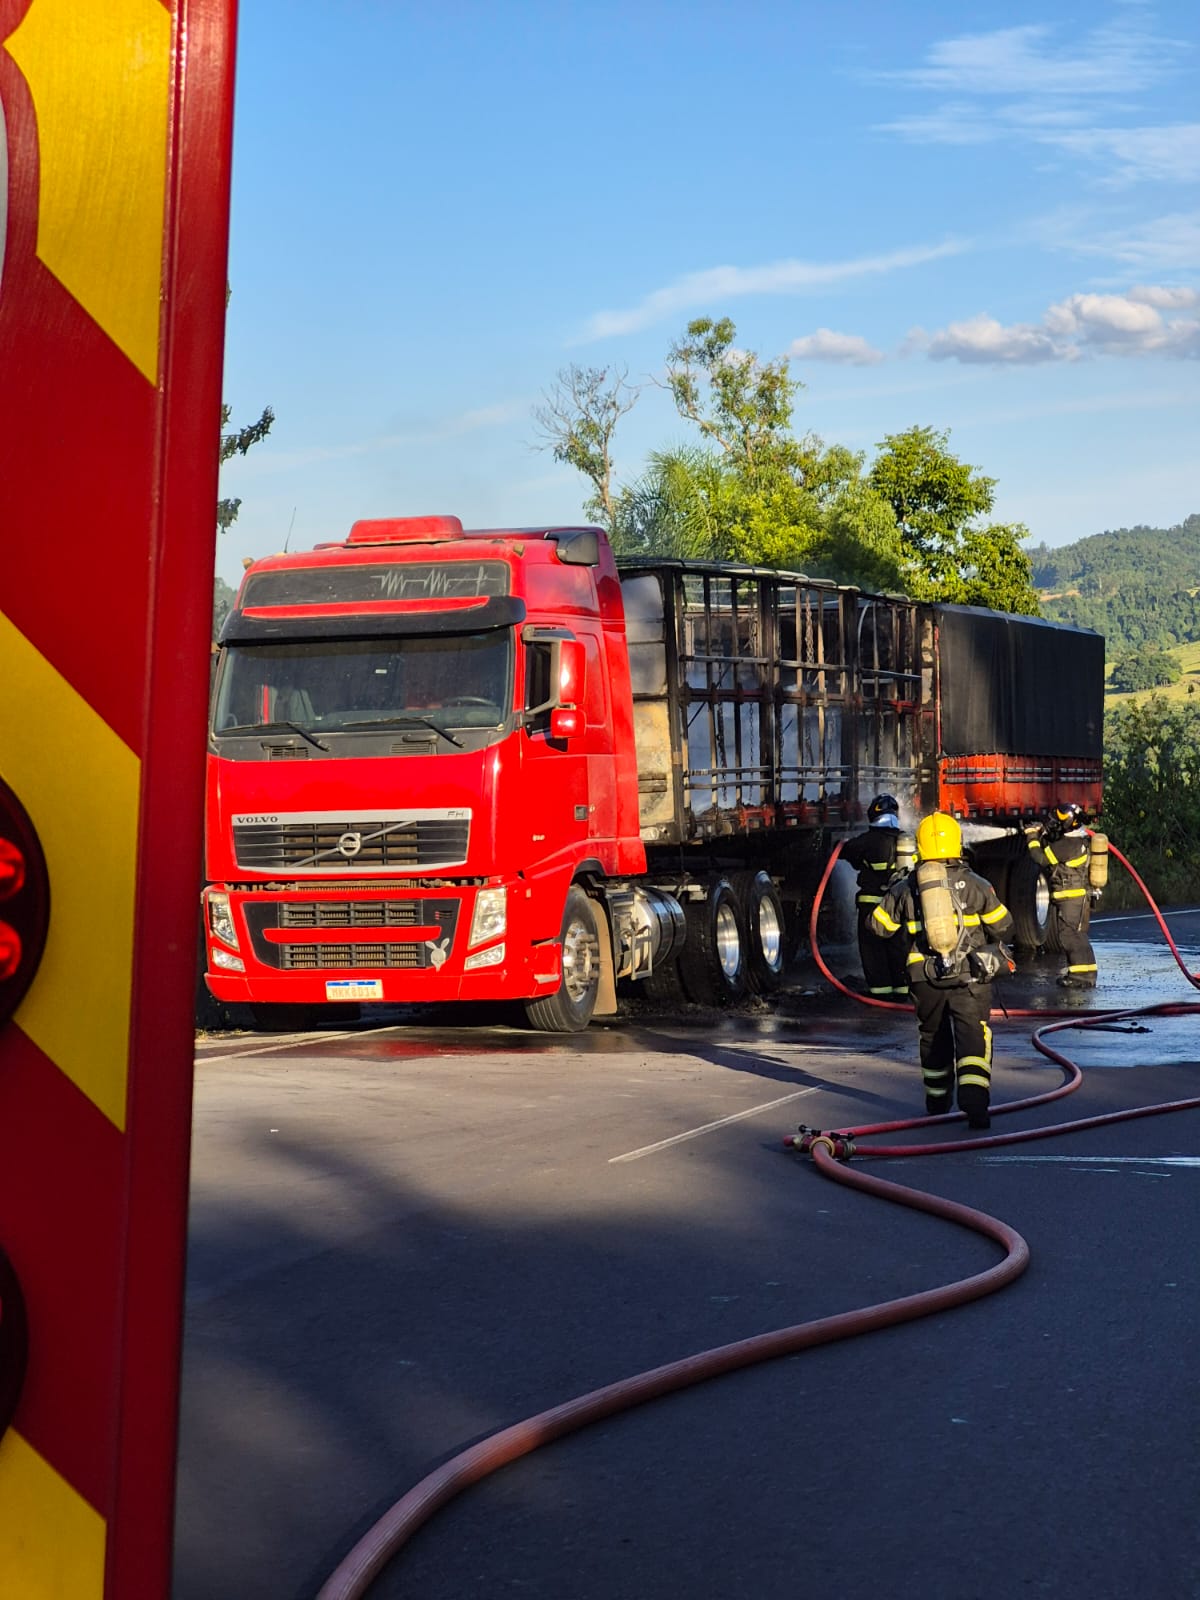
[570,1009]
[712,963]
[1029,901]
[998,872]
[766,938]
[664,986]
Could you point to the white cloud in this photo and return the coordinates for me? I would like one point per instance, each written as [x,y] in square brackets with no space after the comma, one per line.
[266,461]
[983,339]
[955,123]
[1019,83]
[1130,324]
[1169,154]
[825,345]
[717,285]
[1166,299]
[1104,319]
[1112,60]
[1161,244]
[485,417]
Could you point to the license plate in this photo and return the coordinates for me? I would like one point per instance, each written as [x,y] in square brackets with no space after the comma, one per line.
[354,989]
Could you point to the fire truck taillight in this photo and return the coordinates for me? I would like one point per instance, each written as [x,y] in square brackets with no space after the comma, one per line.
[24,902]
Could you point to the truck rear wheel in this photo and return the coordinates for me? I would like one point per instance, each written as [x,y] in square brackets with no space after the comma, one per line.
[570,1009]
[762,915]
[712,963]
[1029,901]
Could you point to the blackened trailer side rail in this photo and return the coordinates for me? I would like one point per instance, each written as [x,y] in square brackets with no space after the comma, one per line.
[767,700]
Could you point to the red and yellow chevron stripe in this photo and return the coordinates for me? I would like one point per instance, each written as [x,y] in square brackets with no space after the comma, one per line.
[114,168]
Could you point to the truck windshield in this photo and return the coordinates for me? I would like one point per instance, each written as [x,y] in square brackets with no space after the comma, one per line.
[444,682]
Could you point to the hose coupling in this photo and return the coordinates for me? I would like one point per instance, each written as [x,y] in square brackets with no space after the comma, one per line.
[807,1139]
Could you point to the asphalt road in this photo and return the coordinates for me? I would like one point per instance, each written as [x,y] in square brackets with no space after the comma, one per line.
[406,1238]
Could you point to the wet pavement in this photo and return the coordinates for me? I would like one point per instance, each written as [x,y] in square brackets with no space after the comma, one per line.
[407,1235]
[1136,969]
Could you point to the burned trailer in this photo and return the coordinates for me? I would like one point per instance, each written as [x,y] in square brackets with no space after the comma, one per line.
[769,708]
[1020,727]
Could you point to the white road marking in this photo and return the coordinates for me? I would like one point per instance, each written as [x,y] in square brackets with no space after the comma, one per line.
[1138,916]
[1106,1161]
[722,1122]
[284,1043]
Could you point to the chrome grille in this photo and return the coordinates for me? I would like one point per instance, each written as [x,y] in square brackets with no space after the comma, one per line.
[389,937]
[353,914]
[336,957]
[335,845]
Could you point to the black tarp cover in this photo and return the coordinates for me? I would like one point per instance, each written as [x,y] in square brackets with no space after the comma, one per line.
[1018,685]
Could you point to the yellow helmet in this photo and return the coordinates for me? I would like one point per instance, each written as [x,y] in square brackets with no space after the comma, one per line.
[939,838]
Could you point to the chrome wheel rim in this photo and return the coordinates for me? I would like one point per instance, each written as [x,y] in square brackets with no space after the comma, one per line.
[729,946]
[580,960]
[770,934]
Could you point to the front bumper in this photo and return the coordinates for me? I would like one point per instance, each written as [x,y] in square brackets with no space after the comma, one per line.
[391,943]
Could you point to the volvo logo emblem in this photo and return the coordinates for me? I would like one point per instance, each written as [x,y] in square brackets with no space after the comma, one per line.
[349,845]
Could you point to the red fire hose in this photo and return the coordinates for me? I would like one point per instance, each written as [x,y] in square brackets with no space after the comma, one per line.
[396,1527]
[357,1571]
[1009,1011]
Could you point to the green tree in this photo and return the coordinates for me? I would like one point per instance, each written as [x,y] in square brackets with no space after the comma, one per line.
[678,508]
[789,502]
[752,491]
[938,502]
[236,442]
[576,422]
[740,404]
[1152,792]
[1149,668]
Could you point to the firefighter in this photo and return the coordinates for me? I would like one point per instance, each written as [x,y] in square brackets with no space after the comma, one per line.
[956,925]
[1063,849]
[873,856]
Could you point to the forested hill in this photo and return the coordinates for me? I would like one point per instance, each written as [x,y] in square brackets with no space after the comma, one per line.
[1137,586]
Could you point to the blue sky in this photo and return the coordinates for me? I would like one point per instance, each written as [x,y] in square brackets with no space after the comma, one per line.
[990,226]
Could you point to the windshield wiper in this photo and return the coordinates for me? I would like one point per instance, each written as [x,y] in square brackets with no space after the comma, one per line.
[405,722]
[265,727]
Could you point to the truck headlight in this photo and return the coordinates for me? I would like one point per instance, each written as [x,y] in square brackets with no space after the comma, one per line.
[490,917]
[220,920]
[484,958]
[230,963]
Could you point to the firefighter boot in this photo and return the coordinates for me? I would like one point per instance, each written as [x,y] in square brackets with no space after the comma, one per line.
[973,1103]
[937,1105]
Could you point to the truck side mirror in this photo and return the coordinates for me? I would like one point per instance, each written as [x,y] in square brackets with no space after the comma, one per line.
[555,681]
[570,672]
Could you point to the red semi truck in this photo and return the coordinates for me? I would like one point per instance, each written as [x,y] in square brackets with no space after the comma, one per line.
[493,765]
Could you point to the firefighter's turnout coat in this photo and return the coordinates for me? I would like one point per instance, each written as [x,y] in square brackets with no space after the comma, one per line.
[873,856]
[952,998]
[1065,859]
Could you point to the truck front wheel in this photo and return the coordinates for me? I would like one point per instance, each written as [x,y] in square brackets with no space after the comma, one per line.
[712,963]
[570,1009]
